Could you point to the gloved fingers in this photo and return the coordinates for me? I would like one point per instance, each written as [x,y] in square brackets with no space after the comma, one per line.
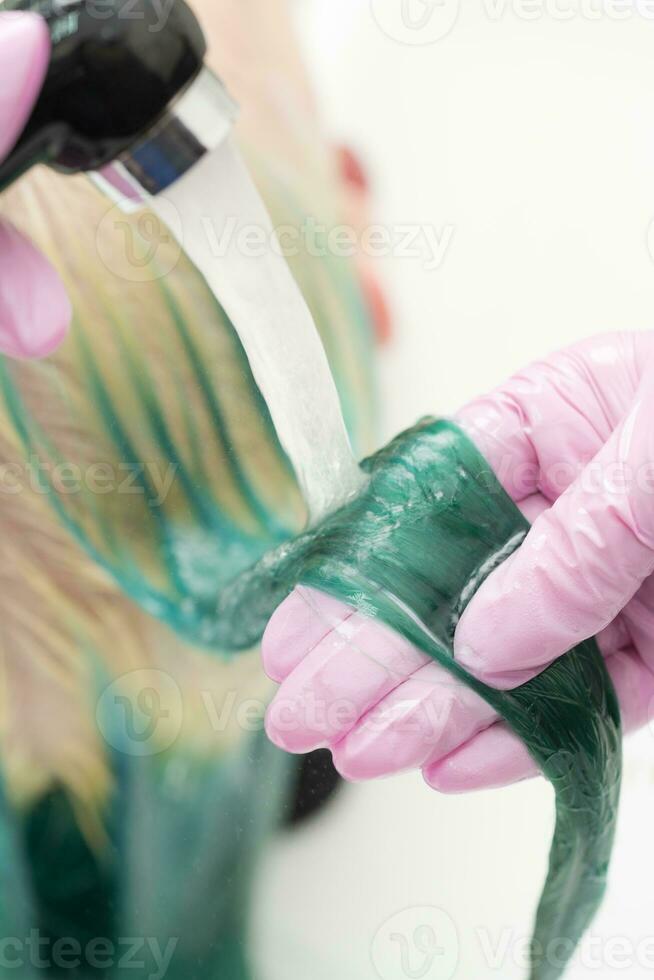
[497,758]
[633,633]
[532,507]
[298,624]
[496,425]
[303,627]
[494,758]
[540,428]
[634,684]
[636,624]
[581,563]
[322,698]
[430,720]
[346,673]
[34,307]
[24,56]
[422,720]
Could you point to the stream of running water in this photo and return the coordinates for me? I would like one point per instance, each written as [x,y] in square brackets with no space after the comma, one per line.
[218,204]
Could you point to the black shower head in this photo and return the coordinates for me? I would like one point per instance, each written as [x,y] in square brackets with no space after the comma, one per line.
[126,86]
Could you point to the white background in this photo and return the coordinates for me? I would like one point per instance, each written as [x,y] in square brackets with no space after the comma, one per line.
[534,140]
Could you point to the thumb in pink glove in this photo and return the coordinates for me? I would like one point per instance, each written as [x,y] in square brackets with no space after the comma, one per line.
[34,309]
[571,440]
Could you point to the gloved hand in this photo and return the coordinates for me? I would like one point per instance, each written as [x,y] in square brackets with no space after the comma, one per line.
[34,309]
[571,439]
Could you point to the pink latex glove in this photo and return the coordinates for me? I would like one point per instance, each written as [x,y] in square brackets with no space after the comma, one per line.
[571,439]
[34,309]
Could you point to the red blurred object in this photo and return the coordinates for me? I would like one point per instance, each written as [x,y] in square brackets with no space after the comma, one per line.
[352,169]
[357,189]
[378,304]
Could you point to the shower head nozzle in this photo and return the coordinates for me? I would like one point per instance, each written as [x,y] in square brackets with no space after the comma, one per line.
[126,94]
